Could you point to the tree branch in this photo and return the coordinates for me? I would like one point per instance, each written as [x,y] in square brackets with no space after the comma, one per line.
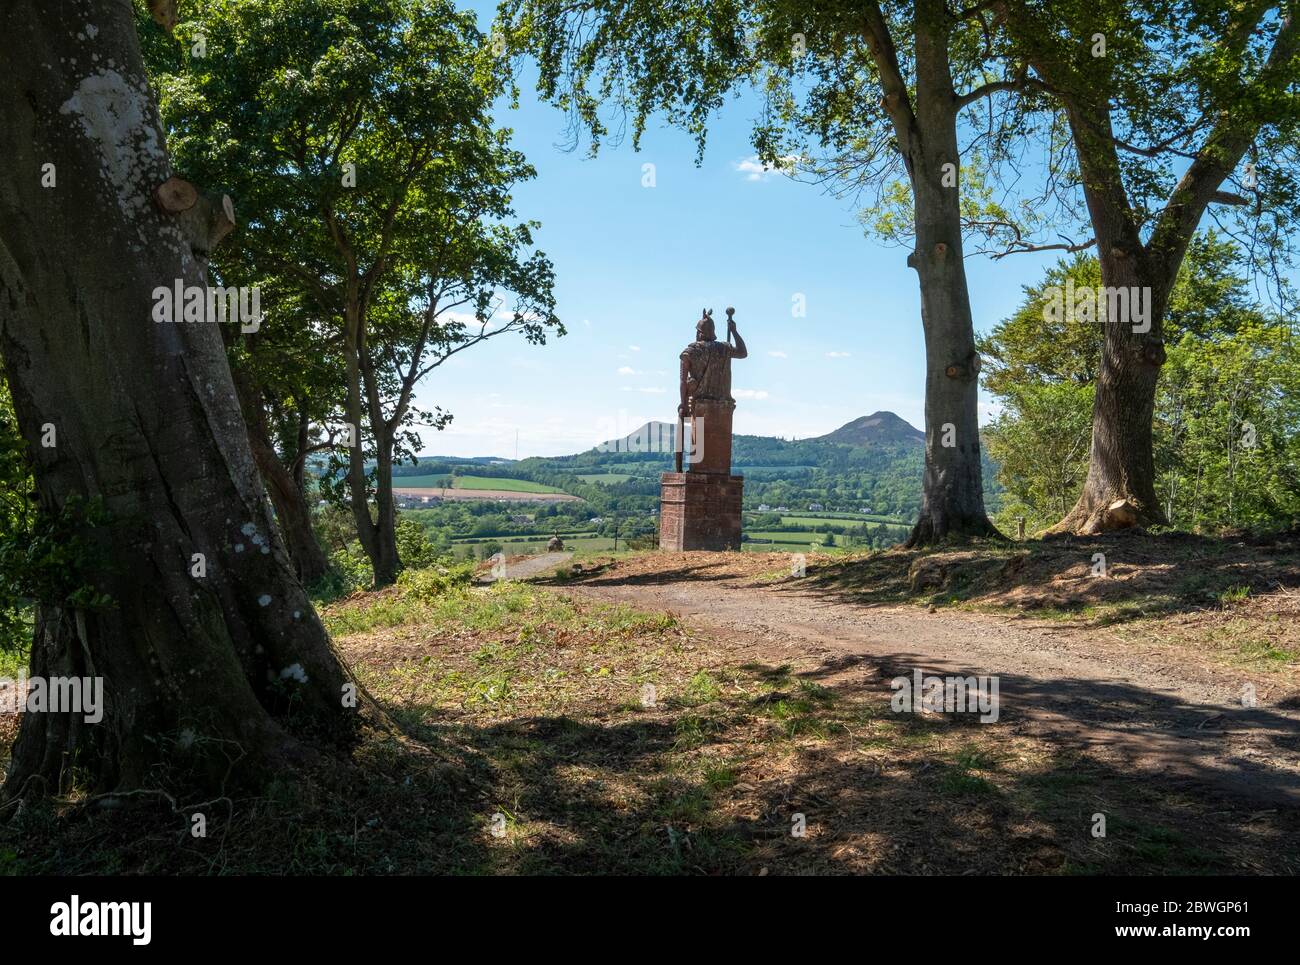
[994,87]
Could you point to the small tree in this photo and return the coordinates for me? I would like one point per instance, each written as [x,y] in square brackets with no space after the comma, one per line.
[358,134]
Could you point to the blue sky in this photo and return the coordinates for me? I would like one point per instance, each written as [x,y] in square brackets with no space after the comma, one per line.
[636,264]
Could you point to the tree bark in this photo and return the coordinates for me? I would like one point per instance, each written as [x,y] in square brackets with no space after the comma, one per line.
[1119,491]
[952,503]
[285,487]
[378,537]
[217,675]
[386,562]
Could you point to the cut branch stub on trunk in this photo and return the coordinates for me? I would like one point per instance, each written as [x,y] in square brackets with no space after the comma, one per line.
[164,14]
[175,195]
[968,368]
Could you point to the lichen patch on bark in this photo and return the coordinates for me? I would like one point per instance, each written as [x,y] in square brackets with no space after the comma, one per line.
[115,116]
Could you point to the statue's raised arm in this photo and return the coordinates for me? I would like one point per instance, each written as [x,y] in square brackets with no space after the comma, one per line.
[738,350]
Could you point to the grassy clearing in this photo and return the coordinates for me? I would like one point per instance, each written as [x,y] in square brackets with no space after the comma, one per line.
[543,734]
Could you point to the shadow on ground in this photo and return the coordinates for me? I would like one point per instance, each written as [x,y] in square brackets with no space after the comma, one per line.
[709,786]
[1122,574]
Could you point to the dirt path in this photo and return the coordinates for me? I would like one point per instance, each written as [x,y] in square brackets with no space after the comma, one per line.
[526,567]
[1145,707]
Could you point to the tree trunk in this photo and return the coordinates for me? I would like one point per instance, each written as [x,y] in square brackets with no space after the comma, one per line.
[212,658]
[1119,490]
[378,537]
[952,502]
[292,514]
[386,562]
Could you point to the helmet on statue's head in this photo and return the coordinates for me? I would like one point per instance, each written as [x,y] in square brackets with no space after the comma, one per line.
[704,330]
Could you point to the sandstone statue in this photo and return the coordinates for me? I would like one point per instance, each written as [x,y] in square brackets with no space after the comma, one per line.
[706,399]
[700,508]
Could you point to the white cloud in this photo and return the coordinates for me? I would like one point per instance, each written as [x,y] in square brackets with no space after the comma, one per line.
[755,170]
[750,393]
[837,355]
[648,390]
[634,348]
[778,355]
[626,370]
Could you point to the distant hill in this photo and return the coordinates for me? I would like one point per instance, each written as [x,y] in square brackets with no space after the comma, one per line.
[877,429]
[872,465]
[651,437]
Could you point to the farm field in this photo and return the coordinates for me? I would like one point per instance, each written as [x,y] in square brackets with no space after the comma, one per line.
[420,482]
[507,485]
[521,538]
[793,539]
[789,548]
[821,520]
[472,482]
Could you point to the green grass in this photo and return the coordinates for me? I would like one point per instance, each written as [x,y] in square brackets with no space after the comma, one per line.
[420,482]
[522,538]
[531,544]
[523,711]
[820,520]
[472,482]
[1234,594]
[511,485]
[605,477]
[803,539]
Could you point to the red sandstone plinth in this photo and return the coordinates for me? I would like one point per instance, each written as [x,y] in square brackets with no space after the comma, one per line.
[699,511]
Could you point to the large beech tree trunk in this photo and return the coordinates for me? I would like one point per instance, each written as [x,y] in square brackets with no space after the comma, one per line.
[220,675]
[1119,490]
[952,503]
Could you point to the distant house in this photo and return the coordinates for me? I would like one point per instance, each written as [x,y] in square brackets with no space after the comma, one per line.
[764,508]
[815,507]
[781,509]
[596,520]
[521,518]
[865,509]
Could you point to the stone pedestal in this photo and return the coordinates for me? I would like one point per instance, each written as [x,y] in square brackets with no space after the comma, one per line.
[700,510]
